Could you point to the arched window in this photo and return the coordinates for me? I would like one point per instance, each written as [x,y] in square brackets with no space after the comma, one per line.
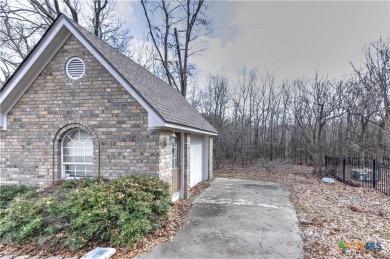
[77,154]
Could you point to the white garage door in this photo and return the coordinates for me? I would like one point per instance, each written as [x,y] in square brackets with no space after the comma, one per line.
[196,159]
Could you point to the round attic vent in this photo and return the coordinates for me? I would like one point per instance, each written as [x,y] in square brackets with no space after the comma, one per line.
[75,68]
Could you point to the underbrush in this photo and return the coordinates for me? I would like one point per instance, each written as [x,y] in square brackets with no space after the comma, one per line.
[72,213]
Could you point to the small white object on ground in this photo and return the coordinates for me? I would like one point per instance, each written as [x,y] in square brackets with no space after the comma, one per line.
[328,180]
[100,253]
[305,222]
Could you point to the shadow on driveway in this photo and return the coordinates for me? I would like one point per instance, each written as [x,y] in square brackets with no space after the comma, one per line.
[237,219]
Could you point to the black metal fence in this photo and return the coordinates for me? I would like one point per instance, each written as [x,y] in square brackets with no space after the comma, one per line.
[367,172]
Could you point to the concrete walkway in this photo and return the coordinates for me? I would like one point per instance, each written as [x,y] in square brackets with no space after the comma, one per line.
[237,219]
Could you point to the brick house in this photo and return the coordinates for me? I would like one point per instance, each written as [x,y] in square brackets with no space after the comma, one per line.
[76,107]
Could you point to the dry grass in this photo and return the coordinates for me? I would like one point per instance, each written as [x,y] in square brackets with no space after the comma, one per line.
[338,212]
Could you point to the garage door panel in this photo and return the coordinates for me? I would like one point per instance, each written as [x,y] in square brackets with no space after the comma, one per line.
[196,160]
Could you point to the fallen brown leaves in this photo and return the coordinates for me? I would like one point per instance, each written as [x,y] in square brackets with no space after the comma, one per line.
[338,212]
[177,218]
[197,189]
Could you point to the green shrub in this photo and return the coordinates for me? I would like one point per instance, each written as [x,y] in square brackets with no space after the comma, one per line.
[119,211]
[26,219]
[9,192]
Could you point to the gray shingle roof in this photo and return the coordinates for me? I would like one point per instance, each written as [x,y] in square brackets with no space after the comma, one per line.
[166,100]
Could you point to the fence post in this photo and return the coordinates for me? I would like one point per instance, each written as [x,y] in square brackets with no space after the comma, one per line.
[373,173]
[343,169]
[326,162]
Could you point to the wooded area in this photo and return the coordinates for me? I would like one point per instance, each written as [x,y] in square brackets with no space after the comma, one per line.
[302,120]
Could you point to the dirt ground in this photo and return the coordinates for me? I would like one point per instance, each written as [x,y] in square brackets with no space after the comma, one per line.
[337,212]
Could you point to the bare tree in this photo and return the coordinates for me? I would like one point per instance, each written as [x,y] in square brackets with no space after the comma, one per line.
[176,29]
[213,102]
[23,23]
[315,106]
[107,26]
[374,78]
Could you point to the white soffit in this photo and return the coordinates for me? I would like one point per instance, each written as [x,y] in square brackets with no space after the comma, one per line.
[172,126]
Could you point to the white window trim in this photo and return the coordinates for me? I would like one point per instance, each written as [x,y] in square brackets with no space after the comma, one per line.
[63,176]
[175,140]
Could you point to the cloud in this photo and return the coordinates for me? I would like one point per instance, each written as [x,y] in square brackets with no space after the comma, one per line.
[125,10]
[294,38]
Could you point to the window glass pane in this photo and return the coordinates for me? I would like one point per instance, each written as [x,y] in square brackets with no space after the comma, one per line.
[69,174]
[89,151]
[78,159]
[70,171]
[89,170]
[79,145]
[88,142]
[83,136]
[67,151]
[70,167]
[72,135]
[78,151]
[174,152]
[89,159]
[80,170]
[68,142]
[67,159]
[174,163]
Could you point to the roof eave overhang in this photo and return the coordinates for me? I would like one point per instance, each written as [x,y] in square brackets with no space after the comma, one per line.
[182,128]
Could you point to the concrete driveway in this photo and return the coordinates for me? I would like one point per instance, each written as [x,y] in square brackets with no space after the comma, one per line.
[237,219]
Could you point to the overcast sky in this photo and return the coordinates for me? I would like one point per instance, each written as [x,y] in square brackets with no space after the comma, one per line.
[292,38]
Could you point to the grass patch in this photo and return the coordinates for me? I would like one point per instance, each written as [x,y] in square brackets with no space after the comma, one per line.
[72,213]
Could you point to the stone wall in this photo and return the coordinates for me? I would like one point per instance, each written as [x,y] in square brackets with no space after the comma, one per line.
[54,104]
[165,161]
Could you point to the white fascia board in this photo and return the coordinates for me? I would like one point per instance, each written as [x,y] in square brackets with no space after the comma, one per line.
[172,126]
[154,119]
[3,122]
[26,67]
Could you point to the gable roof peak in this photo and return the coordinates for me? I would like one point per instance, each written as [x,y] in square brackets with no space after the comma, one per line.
[159,98]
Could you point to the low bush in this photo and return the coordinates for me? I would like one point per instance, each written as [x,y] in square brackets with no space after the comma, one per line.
[119,211]
[9,192]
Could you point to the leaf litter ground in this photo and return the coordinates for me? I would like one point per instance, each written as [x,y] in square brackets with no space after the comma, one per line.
[337,212]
